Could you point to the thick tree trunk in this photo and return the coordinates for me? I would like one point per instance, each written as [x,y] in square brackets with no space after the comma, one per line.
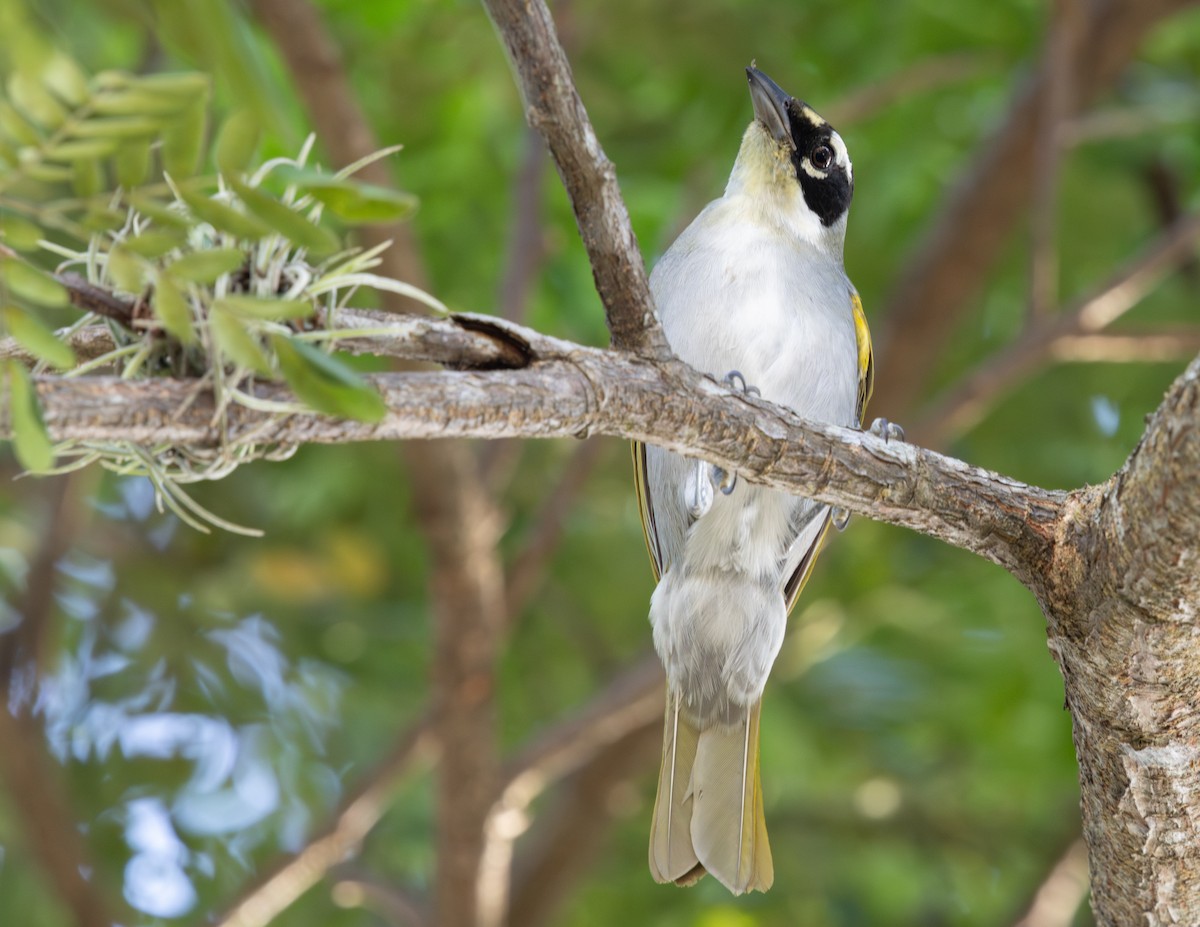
[1122,599]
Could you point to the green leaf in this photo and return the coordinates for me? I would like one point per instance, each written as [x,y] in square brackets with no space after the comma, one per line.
[132,163]
[237,142]
[233,340]
[183,140]
[271,310]
[207,266]
[126,270]
[46,173]
[16,126]
[35,451]
[118,127]
[36,338]
[285,220]
[325,383]
[29,283]
[88,179]
[70,151]
[173,309]
[65,79]
[154,243]
[158,210]
[355,202]
[223,217]
[35,101]
[19,233]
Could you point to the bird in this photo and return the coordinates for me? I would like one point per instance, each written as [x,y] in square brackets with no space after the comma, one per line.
[753,291]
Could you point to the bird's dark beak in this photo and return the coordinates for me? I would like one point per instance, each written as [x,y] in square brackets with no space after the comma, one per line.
[770,104]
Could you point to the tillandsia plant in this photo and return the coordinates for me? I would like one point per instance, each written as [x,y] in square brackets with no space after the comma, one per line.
[226,278]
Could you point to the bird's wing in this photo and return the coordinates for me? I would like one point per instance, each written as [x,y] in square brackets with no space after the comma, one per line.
[818,529]
[641,481]
[866,358]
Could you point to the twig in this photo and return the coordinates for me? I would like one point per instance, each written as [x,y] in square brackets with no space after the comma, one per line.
[972,227]
[1125,347]
[923,76]
[397,907]
[92,298]
[1058,897]
[1059,66]
[626,706]
[553,108]
[278,889]
[967,402]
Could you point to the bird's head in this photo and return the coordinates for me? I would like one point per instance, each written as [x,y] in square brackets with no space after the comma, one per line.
[793,163]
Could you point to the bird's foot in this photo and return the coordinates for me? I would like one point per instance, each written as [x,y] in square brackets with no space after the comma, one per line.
[889,431]
[881,428]
[720,478]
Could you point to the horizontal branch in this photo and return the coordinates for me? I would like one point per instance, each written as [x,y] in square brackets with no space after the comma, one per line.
[570,390]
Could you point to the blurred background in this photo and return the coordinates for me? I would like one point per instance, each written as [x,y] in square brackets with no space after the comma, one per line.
[430,677]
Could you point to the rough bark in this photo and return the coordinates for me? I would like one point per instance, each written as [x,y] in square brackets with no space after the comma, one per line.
[1122,599]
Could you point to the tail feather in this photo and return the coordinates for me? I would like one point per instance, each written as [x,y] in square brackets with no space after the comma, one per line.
[709,811]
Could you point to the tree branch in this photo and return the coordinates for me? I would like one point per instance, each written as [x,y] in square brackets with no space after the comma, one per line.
[278,889]
[553,108]
[968,401]
[570,390]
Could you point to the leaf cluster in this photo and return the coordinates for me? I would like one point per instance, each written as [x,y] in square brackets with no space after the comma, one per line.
[229,276]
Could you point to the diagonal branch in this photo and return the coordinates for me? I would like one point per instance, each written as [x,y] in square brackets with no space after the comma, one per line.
[278,889]
[1046,336]
[982,207]
[553,107]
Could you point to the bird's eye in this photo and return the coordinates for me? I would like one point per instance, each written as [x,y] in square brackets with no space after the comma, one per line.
[821,157]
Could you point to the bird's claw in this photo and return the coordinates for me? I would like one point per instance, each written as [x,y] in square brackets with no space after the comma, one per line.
[840,518]
[723,480]
[736,380]
[889,431]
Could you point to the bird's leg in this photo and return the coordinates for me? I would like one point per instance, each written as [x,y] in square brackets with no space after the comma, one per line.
[722,479]
[881,428]
[698,491]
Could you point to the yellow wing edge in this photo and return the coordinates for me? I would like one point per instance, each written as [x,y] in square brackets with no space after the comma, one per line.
[649,533]
[866,357]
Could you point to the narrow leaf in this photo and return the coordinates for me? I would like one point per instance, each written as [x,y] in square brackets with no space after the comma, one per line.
[173,309]
[38,339]
[353,201]
[325,383]
[19,233]
[207,266]
[236,142]
[155,242]
[271,310]
[118,127]
[16,126]
[183,139]
[132,163]
[223,217]
[35,451]
[284,220]
[88,179]
[35,101]
[159,211]
[233,340]
[29,283]
[73,150]
[65,79]
[126,270]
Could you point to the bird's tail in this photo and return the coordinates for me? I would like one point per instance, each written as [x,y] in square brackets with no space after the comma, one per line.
[708,816]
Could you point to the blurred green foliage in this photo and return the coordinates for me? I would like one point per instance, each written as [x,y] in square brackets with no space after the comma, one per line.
[917,760]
